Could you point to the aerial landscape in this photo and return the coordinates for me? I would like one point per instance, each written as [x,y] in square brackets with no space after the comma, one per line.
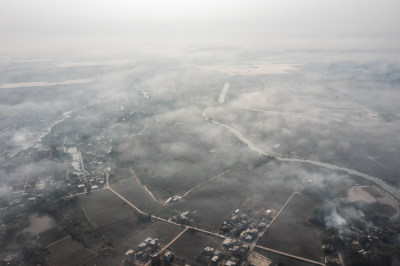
[168,133]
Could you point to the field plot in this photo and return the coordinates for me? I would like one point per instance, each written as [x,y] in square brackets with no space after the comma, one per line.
[282,260]
[191,244]
[69,252]
[182,158]
[131,189]
[292,233]
[104,207]
[163,231]
[216,201]
[131,238]
[118,231]
[213,203]
[49,236]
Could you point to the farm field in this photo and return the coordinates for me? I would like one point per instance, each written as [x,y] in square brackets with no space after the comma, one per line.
[104,207]
[132,238]
[175,166]
[165,232]
[214,202]
[118,231]
[69,252]
[49,236]
[291,231]
[282,260]
[130,188]
[191,244]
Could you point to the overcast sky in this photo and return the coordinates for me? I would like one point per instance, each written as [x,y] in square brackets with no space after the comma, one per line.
[22,21]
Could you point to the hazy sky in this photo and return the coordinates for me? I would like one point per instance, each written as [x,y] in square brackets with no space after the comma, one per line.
[50,20]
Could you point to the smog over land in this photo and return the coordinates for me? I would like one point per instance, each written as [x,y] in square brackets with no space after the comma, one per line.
[199,133]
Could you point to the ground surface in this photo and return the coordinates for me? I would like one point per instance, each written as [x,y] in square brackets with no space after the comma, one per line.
[130,187]
[69,252]
[292,233]
[104,207]
[282,260]
[191,244]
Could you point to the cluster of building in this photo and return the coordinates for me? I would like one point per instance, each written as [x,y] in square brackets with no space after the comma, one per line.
[149,250]
[27,127]
[30,192]
[84,183]
[88,176]
[144,252]
[164,258]
[355,239]
[97,155]
[173,199]
[182,218]
[240,225]
[361,240]
[234,253]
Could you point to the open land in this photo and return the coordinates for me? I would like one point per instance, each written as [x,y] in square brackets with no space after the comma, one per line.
[282,260]
[191,244]
[125,235]
[103,207]
[69,252]
[130,187]
[291,232]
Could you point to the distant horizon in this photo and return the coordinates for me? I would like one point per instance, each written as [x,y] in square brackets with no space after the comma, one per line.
[74,25]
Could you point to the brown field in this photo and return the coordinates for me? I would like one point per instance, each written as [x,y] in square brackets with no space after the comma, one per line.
[292,233]
[69,252]
[104,207]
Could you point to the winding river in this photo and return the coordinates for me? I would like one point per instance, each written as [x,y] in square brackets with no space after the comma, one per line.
[392,190]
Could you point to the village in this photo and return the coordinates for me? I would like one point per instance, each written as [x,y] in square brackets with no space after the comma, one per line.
[244,236]
[241,231]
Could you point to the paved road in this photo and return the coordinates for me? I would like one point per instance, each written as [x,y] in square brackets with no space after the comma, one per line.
[205,183]
[170,243]
[173,240]
[128,202]
[283,207]
[213,233]
[107,186]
